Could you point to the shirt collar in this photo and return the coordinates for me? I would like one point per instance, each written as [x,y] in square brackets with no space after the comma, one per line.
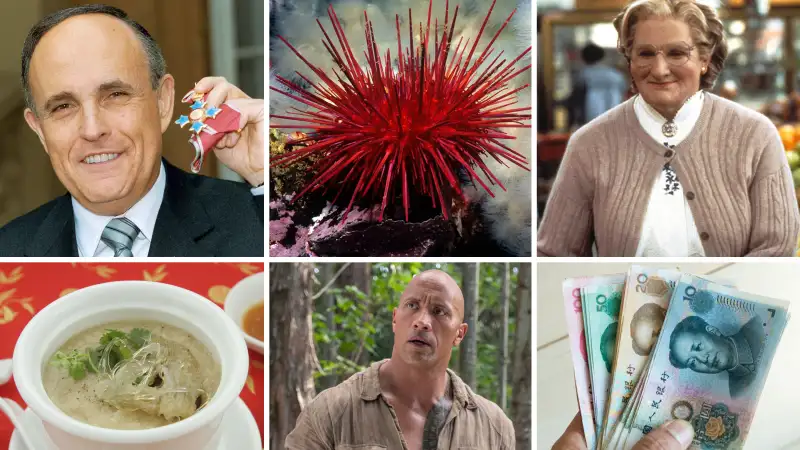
[651,120]
[371,386]
[89,226]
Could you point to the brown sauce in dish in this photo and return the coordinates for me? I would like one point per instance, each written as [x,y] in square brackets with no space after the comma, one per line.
[253,322]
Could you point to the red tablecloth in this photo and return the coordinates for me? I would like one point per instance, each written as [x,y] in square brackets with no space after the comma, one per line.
[27,288]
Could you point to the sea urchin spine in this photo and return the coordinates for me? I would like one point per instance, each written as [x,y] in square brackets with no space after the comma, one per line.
[381,129]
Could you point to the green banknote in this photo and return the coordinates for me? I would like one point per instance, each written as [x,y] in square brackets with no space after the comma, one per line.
[601,303]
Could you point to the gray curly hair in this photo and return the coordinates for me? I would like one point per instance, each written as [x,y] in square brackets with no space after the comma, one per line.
[707,30]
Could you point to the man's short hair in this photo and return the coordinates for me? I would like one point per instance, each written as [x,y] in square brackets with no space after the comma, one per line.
[691,324]
[155,59]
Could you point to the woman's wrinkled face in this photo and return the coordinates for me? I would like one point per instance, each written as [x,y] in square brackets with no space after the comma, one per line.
[665,64]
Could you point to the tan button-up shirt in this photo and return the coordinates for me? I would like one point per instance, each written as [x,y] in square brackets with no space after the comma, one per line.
[354,415]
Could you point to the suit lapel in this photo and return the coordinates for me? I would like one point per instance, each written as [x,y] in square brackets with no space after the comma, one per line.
[182,221]
[56,234]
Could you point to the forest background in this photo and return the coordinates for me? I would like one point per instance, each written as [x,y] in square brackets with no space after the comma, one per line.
[331,320]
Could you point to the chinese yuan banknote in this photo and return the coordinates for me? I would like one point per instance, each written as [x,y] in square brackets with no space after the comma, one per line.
[654,345]
[571,291]
[646,300]
[710,363]
[601,303]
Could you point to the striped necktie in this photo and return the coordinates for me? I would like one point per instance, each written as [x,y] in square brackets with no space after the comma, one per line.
[119,234]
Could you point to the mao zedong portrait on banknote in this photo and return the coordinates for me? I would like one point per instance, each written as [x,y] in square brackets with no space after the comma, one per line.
[701,347]
[645,327]
[685,348]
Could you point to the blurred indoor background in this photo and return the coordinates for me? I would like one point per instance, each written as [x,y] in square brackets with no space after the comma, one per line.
[761,70]
[198,37]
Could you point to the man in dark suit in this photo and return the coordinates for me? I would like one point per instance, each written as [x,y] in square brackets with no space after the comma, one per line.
[99,98]
[702,348]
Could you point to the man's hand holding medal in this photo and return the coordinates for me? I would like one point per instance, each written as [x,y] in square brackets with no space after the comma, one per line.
[225,119]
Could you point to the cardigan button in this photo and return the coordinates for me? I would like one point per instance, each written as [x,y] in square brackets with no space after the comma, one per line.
[669,153]
[704,236]
[690,195]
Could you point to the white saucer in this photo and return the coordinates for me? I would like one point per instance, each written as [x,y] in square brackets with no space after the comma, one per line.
[239,430]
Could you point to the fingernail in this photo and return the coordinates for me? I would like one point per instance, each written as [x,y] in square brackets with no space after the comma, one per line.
[681,430]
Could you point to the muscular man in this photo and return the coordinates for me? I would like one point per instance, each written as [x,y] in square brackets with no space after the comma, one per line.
[411,401]
[99,98]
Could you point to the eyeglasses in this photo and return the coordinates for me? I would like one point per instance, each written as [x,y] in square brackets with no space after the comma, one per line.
[675,55]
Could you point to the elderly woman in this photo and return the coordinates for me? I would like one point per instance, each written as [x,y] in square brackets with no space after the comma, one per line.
[675,170]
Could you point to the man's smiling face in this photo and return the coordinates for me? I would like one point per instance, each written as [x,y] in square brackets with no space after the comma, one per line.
[97,114]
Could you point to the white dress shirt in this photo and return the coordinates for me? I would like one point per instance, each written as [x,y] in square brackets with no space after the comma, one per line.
[89,226]
[669,228]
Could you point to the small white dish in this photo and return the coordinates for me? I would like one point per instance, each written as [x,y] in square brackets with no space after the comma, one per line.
[244,295]
[239,430]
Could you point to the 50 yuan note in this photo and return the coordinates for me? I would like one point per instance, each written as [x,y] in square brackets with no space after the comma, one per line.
[601,312]
[710,363]
[647,294]
[571,291]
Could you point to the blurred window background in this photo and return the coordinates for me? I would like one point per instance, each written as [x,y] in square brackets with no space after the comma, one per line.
[237,48]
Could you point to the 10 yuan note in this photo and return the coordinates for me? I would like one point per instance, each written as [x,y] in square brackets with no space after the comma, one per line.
[710,363]
[571,291]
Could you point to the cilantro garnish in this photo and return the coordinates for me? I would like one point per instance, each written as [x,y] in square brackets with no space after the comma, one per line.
[115,347]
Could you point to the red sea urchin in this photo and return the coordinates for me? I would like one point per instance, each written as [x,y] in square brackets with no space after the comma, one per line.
[381,129]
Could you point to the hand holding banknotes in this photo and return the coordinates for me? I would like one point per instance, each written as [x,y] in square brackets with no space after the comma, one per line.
[657,345]
[675,435]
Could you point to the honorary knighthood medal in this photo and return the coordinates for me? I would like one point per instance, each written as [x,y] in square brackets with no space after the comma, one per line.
[208,125]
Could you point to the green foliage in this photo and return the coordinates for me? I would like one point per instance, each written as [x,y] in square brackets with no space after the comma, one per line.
[363,324]
[352,334]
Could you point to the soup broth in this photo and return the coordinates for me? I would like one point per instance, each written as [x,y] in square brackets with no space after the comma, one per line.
[253,322]
[131,375]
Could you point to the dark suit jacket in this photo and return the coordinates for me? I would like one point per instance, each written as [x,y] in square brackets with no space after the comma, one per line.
[199,216]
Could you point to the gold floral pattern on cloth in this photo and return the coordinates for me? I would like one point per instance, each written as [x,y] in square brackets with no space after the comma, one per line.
[7,298]
[157,275]
[218,293]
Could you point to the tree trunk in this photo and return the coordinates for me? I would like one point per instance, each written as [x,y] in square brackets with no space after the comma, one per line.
[292,355]
[504,336]
[521,379]
[327,304]
[469,347]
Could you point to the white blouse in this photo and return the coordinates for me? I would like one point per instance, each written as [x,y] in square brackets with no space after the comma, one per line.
[669,228]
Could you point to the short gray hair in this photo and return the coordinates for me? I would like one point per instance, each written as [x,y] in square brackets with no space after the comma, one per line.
[155,59]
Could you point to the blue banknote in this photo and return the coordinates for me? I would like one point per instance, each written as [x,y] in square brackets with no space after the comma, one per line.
[710,363]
